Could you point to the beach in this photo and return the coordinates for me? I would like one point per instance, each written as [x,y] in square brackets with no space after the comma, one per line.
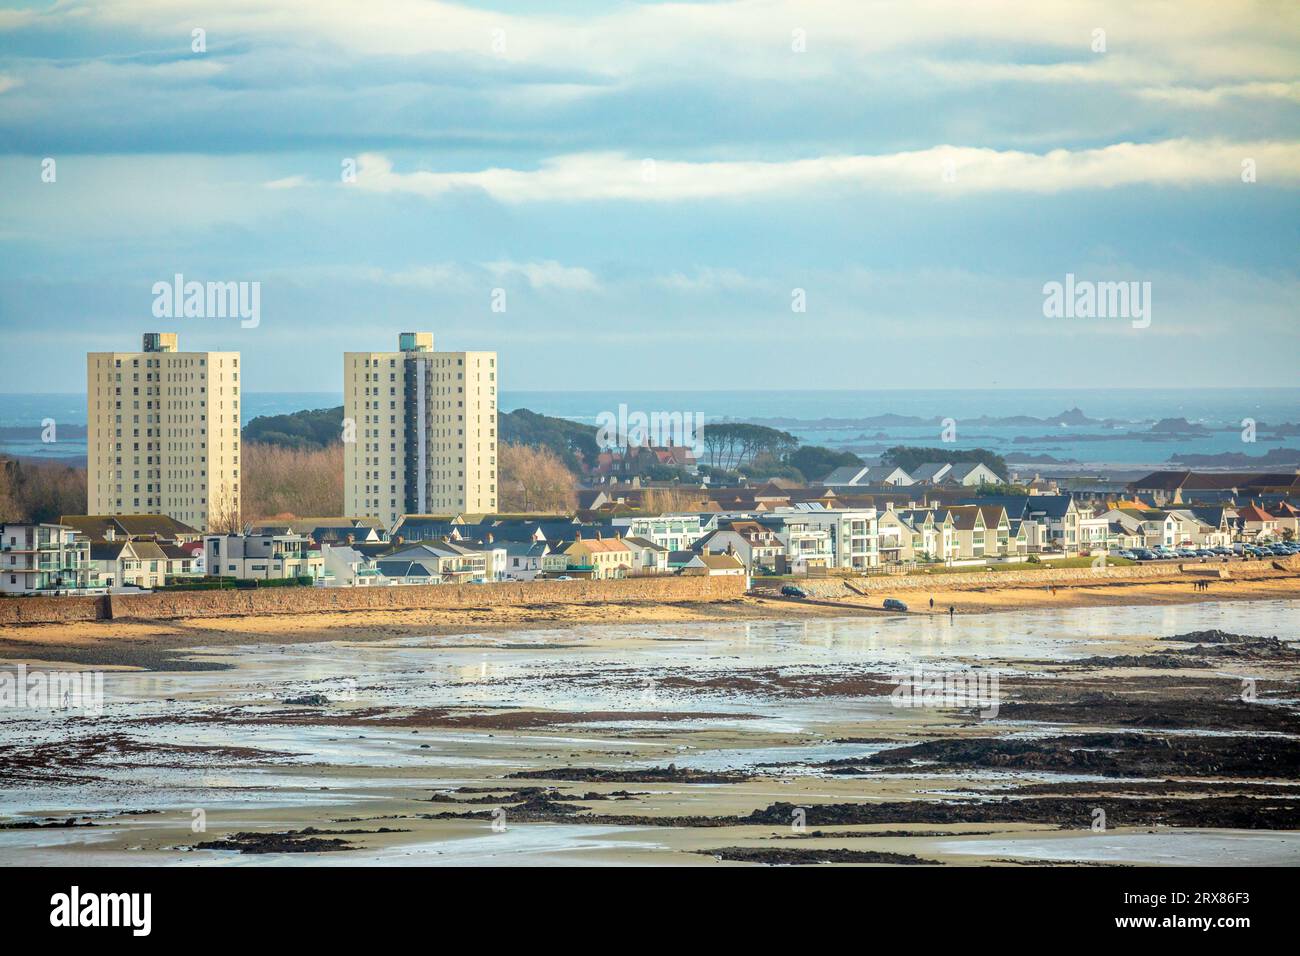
[138,642]
[745,733]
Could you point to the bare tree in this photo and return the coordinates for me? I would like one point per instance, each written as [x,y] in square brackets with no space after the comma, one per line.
[292,482]
[532,478]
[224,517]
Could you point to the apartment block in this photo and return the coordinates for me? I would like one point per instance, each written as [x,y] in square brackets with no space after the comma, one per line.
[42,557]
[420,431]
[163,433]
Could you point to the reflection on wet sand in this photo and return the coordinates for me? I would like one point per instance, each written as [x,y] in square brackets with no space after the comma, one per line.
[696,743]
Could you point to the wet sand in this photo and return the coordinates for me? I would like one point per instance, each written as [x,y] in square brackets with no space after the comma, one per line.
[155,644]
[701,742]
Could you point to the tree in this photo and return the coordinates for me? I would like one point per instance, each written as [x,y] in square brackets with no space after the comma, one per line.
[658,501]
[766,465]
[10,509]
[815,463]
[315,428]
[729,444]
[224,517]
[41,491]
[283,482]
[568,440]
[533,479]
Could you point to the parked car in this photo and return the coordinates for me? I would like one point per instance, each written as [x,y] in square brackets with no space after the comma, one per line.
[894,604]
[564,577]
[794,591]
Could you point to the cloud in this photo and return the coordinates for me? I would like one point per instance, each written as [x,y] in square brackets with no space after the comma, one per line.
[288,182]
[941,169]
[547,275]
[710,280]
[1226,38]
[1216,95]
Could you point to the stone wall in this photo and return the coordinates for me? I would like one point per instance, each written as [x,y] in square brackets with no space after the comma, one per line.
[668,590]
[1044,577]
[51,610]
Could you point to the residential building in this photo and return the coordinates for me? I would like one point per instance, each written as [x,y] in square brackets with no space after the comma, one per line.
[757,546]
[898,540]
[43,557]
[162,433]
[971,474]
[809,543]
[1256,524]
[712,565]
[969,530]
[184,560]
[262,556]
[647,557]
[128,563]
[420,431]
[1159,528]
[965,474]
[448,562]
[930,473]
[324,528]
[118,527]
[599,557]
[850,476]
[1094,533]
[854,541]
[524,559]
[1287,517]
[676,532]
[1190,487]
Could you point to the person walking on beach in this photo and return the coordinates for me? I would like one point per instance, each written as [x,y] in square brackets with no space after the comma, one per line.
[931,604]
[951,611]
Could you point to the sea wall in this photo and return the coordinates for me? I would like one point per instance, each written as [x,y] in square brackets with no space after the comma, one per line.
[669,589]
[52,610]
[1044,577]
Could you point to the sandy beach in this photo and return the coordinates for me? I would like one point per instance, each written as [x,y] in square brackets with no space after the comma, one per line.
[1147,723]
[150,643]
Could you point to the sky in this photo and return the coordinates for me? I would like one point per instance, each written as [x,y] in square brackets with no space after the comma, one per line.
[730,195]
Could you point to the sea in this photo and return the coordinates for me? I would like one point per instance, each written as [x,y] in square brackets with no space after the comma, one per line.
[1040,428]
